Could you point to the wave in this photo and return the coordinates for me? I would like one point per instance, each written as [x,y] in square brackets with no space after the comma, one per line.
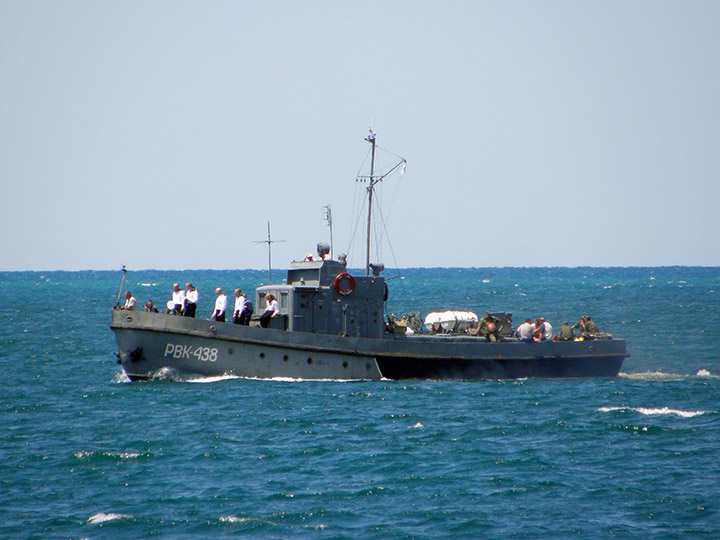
[270,379]
[663,376]
[657,411]
[235,519]
[216,378]
[88,454]
[120,378]
[301,380]
[245,520]
[102,517]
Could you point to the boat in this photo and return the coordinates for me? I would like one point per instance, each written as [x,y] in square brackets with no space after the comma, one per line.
[332,324]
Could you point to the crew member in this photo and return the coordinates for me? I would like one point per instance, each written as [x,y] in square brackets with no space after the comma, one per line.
[220,306]
[129,301]
[525,331]
[590,326]
[543,330]
[489,327]
[565,333]
[246,315]
[580,325]
[191,300]
[272,310]
[149,306]
[178,299]
[239,307]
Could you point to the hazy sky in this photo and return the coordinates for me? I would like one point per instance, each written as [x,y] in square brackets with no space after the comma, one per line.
[167,134]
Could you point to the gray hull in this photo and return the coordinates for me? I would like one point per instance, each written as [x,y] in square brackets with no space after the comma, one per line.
[152,345]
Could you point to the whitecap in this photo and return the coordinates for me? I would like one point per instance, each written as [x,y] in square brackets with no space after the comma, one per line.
[653,376]
[418,426]
[662,376]
[656,411]
[234,519]
[241,520]
[102,517]
[85,454]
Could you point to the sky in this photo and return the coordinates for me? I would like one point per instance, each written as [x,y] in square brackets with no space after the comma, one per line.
[167,135]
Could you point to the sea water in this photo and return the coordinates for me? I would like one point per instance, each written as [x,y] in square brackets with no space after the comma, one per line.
[86,454]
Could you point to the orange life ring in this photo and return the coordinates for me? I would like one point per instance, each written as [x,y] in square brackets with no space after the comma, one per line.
[350,283]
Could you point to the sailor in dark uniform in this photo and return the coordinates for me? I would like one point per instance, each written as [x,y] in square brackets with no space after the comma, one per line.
[590,326]
[565,333]
[489,327]
[239,307]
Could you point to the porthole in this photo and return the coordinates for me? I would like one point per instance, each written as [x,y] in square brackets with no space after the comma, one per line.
[309,360]
[285,357]
[230,351]
[345,364]
[262,355]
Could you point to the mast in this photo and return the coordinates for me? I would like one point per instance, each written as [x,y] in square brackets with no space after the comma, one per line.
[269,243]
[372,180]
[328,217]
[371,185]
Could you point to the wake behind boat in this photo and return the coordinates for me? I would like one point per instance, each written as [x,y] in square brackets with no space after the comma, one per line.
[332,325]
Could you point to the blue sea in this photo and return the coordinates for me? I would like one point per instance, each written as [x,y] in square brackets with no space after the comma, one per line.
[86,454]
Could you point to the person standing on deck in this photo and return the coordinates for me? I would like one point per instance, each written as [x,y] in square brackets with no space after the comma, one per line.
[489,327]
[178,300]
[247,312]
[220,306]
[239,307]
[191,300]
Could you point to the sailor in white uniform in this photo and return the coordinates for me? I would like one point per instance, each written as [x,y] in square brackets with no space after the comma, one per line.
[272,310]
[191,300]
[129,301]
[220,306]
[178,299]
